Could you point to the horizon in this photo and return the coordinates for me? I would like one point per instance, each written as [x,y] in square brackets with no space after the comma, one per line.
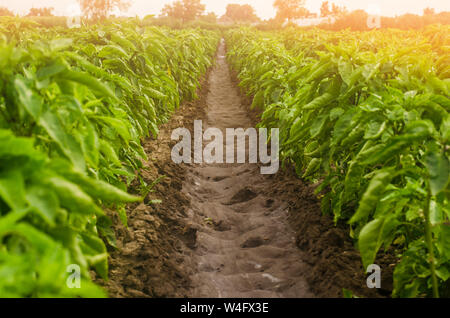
[264,9]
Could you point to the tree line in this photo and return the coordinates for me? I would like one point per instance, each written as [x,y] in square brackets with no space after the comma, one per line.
[286,10]
[188,10]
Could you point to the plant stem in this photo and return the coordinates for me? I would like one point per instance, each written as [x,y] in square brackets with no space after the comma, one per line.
[429,242]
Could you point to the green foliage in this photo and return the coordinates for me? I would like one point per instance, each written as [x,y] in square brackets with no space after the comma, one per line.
[367,114]
[74,107]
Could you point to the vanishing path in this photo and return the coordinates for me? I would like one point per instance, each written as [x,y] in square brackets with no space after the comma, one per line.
[244,246]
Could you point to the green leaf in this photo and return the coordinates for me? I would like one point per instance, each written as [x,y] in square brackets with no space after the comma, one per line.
[348,293]
[336,113]
[8,222]
[118,124]
[50,70]
[108,151]
[153,93]
[258,100]
[40,240]
[95,251]
[318,125]
[373,235]
[72,197]
[319,102]
[28,98]
[104,225]
[438,170]
[113,51]
[60,44]
[444,241]
[99,189]
[373,194]
[374,129]
[89,81]
[313,165]
[436,213]
[415,132]
[369,241]
[45,202]
[345,70]
[12,146]
[70,147]
[121,210]
[445,129]
[12,189]
[343,126]
[90,144]
[352,180]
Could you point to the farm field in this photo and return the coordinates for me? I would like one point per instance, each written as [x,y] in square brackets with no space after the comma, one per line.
[88,183]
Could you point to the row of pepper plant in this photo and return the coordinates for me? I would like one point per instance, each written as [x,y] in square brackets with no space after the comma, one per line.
[365,115]
[75,106]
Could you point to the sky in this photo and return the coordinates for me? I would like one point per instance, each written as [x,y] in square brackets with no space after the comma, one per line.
[263,8]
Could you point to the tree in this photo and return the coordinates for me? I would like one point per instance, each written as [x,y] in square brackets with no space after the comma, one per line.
[186,10]
[241,13]
[355,20]
[428,11]
[174,10]
[100,9]
[338,11]
[6,12]
[210,17]
[290,9]
[193,9]
[325,9]
[40,12]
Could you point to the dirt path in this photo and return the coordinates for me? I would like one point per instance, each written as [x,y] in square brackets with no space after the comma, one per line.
[244,246]
[227,230]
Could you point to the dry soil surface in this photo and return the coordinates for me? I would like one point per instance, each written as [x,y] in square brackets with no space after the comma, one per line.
[244,246]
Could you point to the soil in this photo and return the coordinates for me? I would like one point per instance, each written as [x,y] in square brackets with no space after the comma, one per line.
[244,246]
[226,230]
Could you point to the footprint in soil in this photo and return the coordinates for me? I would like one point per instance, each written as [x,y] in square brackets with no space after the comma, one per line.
[189,237]
[222,226]
[269,203]
[242,195]
[220,178]
[252,242]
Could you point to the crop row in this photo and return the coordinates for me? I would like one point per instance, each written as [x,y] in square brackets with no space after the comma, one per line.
[366,117]
[74,107]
